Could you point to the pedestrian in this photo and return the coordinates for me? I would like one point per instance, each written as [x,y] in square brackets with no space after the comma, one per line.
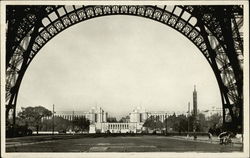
[195,136]
[210,136]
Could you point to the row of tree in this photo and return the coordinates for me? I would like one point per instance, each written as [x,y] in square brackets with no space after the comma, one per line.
[31,117]
[114,120]
[183,123]
[78,124]
[34,118]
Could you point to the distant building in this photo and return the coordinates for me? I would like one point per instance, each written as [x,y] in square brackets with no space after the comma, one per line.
[130,124]
[160,115]
[140,115]
[212,111]
[96,114]
[105,127]
[116,127]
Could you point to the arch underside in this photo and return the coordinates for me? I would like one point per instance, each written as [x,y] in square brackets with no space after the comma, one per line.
[199,24]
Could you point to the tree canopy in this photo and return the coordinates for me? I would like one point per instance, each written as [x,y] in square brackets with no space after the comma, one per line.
[111,119]
[153,123]
[32,116]
[60,124]
[81,123]
[183,123]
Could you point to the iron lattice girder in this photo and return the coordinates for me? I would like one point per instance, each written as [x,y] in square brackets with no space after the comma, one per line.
[42,23]
[20,20]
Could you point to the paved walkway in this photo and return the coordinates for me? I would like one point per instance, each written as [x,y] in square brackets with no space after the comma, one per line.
[205,139]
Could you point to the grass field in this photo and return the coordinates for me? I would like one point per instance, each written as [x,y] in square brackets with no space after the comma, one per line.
[147,143]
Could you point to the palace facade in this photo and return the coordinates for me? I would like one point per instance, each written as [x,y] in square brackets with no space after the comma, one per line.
[94,115]
[98,119]
[135,124]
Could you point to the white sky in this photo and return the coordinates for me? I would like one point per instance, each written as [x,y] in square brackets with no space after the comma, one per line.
[118,63]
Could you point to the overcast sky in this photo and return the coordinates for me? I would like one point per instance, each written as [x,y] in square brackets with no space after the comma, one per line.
[118,63]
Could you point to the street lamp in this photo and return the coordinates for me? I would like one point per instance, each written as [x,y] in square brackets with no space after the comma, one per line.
[53,120]
[73,117]
[188,117]
[166,123]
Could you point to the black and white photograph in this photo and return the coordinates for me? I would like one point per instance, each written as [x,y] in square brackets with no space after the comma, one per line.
[124,79]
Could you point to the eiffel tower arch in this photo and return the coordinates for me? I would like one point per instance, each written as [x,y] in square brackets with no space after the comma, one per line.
[215,30]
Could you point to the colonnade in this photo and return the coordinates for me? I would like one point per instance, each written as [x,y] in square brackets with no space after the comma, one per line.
[118,125]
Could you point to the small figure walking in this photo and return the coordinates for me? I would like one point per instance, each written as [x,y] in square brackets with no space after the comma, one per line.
[210,136]
[195,136]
